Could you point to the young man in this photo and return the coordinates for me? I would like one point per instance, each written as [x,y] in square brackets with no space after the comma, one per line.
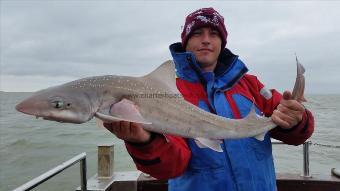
[213,78]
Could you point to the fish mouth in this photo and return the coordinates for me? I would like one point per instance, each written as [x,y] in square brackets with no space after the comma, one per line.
[60,120]
[53,119]
[46,118]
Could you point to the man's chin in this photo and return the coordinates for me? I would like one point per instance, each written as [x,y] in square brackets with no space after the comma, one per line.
[206,64]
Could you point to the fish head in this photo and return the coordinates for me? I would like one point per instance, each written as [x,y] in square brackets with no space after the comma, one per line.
[58,104]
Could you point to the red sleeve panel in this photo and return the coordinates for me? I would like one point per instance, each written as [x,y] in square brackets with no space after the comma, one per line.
[165,157]
[294,136]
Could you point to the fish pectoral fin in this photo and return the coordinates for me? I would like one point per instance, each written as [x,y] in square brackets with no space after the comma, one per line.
[108,118]
[260,137]
[124,110]
[209,143]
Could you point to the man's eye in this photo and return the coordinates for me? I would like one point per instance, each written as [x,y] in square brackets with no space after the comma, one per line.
[197,32]
[213,32]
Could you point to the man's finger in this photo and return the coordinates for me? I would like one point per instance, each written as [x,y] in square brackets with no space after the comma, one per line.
[278,121]
[111,126]
[287,95]
[292,105]
[296,114]
[287,118]
[107,125]
[125,127]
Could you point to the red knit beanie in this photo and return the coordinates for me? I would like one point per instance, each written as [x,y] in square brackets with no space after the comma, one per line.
[205,17]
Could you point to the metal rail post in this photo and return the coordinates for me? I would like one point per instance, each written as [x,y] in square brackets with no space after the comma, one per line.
[306,159]
[83,177]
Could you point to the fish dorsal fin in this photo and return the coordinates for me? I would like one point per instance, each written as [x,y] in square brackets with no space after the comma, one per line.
[164,75]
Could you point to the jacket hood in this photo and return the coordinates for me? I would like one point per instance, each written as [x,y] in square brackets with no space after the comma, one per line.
[228,71]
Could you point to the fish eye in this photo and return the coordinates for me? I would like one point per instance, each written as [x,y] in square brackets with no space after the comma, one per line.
[58,104]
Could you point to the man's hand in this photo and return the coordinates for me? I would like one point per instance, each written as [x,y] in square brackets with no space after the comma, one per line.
[131,132]
[289,112]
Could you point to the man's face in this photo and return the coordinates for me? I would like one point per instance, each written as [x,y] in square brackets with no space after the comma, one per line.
[205,44]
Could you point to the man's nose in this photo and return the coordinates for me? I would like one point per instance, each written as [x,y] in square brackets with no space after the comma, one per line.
[206,38]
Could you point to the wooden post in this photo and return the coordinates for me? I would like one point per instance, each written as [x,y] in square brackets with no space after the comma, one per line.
[105,161]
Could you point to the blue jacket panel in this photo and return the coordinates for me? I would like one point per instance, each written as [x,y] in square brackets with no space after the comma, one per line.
[246,164]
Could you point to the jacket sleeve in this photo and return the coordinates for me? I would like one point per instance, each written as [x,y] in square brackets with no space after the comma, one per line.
[294,136]
[297,134]
[164,157]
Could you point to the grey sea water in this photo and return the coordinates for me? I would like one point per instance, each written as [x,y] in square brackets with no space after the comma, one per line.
[29,146]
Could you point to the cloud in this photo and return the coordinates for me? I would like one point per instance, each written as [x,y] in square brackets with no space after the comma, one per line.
[55,40]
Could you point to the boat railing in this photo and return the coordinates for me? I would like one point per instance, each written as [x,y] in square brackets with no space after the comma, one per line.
[305,166]
[106,179]
[81,158]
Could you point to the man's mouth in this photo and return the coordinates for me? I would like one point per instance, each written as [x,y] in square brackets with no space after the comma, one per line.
[204,50]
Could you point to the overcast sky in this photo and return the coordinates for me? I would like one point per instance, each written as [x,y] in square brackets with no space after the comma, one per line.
[45,43]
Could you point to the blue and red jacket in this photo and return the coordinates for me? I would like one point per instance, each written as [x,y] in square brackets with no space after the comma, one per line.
[245,164]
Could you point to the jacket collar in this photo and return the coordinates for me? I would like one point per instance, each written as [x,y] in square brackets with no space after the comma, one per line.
[227,72]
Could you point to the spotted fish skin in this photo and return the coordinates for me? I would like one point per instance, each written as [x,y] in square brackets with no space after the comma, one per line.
[152,100]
